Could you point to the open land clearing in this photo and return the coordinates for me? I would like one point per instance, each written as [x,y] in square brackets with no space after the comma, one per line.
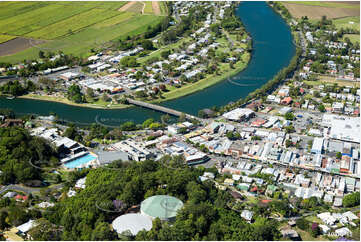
[134,6]
[72,27]
[315,10]
[18,44]
[349,23]
[324,79]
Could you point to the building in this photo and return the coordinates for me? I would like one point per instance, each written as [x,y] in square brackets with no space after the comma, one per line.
[163,207]
[285,110]
[317,146]
[68,76]
[342,128]
[239,114]
[134,222]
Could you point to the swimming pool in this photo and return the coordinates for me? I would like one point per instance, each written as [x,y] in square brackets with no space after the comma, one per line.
[80,161]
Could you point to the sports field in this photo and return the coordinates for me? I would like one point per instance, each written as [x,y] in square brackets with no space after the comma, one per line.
[73,27]
[317,9]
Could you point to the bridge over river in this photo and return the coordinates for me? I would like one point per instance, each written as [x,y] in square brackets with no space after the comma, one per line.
[162,109]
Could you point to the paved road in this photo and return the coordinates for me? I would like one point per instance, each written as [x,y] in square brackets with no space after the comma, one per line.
[24,189]
[27,190]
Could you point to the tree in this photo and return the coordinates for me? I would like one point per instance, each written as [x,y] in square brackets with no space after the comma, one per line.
[147,123]
[128,126]
[74,94]
[338,155]
[45,230]
[302,224]
[90,92]
[165,54]
[321,108]
[147,45]
[351,200]
[288,143]
[165,118]
[289,116]
[41,54]
[155,126]
[3,223]
[182,117]
[102,232]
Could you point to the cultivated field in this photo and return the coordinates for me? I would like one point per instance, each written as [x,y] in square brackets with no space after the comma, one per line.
[315,10]
[4,38]
[73,27]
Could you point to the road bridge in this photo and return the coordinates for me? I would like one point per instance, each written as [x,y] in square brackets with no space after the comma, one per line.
[162,109]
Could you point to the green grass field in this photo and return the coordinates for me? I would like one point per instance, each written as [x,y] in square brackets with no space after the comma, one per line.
[353,37]
[349,22]
[72,27]
[345,23]
[4,38]
[148,7]
[328,4]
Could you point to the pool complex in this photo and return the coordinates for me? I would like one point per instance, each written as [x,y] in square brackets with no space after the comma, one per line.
[80,161]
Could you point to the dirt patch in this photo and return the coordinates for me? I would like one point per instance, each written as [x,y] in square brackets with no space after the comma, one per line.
[126,6]
[316,12]
[156,7]
[18,44]
[135,7]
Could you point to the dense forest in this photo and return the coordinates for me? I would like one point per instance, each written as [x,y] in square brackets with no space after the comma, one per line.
[18,150]
[205,215]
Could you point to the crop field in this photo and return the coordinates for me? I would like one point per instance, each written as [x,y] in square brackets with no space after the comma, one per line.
[315,10]
[72,27]
[73,24]
[4,38]
[148,9]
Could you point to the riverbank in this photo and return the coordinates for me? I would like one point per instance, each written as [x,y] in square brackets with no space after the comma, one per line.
[68,102]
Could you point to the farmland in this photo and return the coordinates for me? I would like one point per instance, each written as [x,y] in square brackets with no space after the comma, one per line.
[72,27]
[4,38]
[317,9]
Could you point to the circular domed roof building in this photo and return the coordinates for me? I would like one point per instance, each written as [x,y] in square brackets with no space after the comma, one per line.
[163,207]
[134,222]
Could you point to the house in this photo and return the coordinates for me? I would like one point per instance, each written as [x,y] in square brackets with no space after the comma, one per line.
[24,228]
[324,228]
[286,101]
[229,182]
[289,233]
[343,232]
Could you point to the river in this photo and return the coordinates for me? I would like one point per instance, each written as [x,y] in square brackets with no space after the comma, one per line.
[273,49]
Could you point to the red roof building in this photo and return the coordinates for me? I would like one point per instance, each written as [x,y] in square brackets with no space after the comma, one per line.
[286,101]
